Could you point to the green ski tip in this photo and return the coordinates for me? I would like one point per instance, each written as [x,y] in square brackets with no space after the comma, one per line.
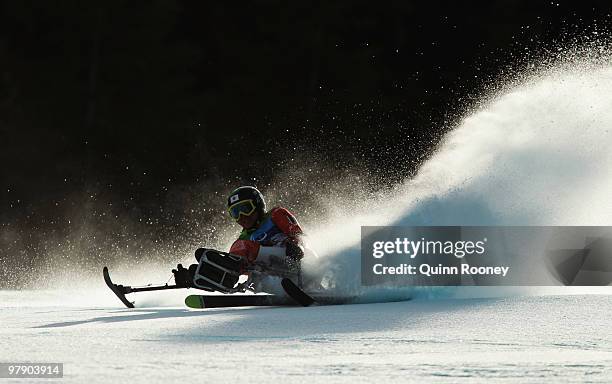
[194,301]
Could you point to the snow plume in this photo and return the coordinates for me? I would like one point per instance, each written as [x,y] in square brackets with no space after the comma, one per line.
[535,153]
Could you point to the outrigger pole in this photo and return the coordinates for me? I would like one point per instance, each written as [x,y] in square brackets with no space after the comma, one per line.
[122,290]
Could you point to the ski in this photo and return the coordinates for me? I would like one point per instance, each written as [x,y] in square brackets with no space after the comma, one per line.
[314,298]
[296,293]
[235,300]
[240,300]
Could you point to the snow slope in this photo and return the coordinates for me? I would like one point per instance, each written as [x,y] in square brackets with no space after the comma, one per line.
[494,340]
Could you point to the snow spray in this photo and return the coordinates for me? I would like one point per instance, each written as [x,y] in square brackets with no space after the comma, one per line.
[535,153]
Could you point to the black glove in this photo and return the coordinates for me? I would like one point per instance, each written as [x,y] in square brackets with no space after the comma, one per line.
[183,277]
[294,251]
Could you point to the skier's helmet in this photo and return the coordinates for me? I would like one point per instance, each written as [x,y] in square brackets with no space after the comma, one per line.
[245,201]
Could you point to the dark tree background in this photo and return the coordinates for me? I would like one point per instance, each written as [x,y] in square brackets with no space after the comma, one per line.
[150,112]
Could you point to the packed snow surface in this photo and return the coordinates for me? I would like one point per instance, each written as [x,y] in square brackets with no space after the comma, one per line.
[493,340]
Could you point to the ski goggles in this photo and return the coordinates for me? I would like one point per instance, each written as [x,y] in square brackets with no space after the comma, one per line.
[244,208]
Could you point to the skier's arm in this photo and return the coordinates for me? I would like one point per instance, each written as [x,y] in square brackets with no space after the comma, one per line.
[286,222]
[248,249]
[252,251]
